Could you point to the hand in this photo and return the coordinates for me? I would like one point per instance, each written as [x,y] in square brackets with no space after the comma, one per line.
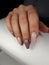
[23,22]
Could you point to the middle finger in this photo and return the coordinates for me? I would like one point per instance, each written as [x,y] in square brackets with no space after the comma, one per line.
[24,27]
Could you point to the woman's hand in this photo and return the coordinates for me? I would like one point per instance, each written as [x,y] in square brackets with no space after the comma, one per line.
[23,22]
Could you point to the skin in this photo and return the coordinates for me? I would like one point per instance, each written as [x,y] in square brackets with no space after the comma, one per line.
[23,22]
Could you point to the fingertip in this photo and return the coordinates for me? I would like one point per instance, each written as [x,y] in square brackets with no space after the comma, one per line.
[27,43]
[43,27]
[20,41]
[33,36]
[12,33]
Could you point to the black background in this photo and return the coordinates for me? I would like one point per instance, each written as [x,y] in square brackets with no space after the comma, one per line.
[8,5]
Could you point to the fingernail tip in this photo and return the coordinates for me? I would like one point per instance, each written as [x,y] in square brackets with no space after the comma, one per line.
[12,33]
[21,43]
[33,34]
[27,44]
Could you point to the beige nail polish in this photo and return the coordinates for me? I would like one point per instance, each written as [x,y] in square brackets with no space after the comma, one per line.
[33,36]
[19,40]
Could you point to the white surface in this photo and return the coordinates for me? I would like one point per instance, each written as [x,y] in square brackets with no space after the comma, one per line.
[7,60]
[38,54]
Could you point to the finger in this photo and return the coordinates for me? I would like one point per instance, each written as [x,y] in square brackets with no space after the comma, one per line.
[15,11]
[24,26]
[43,27]
[15,26]
[22,8]
[34,24]
[30,7]
[8,22]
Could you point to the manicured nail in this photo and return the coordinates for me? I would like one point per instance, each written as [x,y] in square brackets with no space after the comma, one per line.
[33,36]
[19,40]
[12,33]
[27,44]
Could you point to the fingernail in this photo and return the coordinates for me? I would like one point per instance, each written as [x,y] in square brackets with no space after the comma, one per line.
[12,33]
[33,36]
[19,40]
[27,44]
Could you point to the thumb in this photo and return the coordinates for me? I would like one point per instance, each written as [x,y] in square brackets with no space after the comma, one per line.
[43,27]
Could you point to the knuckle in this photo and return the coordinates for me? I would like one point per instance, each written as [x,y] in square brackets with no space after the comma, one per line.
[30,6]
[10,13]
[30,12]
[14,9]
[21,6]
